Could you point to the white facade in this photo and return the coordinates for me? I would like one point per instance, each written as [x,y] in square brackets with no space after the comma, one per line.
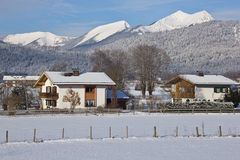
[63,89]
[208,94]
[100,95]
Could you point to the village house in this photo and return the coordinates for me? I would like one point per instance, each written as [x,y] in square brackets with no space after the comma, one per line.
[189,88]
[90,88]
[238,79]
[14,81]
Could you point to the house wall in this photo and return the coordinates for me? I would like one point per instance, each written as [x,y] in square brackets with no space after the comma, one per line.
[63,89]
[207,93]
[182,90]
[101,96]
[43,90]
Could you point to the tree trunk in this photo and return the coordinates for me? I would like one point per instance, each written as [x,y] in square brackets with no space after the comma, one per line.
[150,88]
[143,88]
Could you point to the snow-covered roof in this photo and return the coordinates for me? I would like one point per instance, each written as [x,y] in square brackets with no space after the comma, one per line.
[208,79]
[96,78]
[20,78]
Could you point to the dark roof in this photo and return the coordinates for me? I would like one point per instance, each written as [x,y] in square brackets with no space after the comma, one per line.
[120,94]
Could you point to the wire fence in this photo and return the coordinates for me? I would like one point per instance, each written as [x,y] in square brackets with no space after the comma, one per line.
[92,132]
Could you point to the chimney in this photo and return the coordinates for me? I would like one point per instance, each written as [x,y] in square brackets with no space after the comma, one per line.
[200,73]
[76,72]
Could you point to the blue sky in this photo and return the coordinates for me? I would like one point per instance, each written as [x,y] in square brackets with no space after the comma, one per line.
[74,17]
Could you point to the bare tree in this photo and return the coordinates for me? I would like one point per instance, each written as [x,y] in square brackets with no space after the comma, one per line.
[149,62]
[100,60]
[72,97]
[113,63]
[14,100]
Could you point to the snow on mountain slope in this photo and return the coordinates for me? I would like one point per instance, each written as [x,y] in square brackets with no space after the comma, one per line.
[102,32]
[40,38]
[236,31]
[176,20]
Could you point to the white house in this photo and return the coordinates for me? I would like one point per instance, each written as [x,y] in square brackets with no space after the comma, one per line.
[188,87]
[13,81]
[90,87]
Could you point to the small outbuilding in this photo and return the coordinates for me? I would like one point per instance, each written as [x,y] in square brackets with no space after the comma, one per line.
[122,98]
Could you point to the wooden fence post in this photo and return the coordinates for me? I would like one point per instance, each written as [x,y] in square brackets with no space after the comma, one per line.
[34,135]
[176,131]
[91,137]
[110,132]
[203,130]
[126,131]
[7,136]
[197,132]
[63,133]
[220,131]
[155,131]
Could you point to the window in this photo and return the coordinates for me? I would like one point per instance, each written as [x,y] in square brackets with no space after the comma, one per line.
[48,102]
[174,88]
[89,89]
[224,90]
[54,89]
[221,90]
[48,89]
[52,103]
[90,103]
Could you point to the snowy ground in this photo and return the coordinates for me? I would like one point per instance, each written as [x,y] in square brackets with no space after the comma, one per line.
[139,145]
[132,149]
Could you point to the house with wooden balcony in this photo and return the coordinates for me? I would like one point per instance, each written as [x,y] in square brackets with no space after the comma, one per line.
[90,87]
[189,88]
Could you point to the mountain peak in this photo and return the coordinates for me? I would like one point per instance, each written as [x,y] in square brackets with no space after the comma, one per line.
[179,13]
[40,38]
[102,32]
[176,20]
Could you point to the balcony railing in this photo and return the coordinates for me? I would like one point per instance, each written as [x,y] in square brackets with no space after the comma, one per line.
[49,95]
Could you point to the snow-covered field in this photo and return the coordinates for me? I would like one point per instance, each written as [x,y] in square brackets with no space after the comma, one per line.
[132,149]
[139,145]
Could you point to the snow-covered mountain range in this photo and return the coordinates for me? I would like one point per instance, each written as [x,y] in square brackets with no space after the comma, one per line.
[39,38]
[176,20]
[98,34]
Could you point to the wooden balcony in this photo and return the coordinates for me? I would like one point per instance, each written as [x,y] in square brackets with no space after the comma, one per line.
[53,96]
